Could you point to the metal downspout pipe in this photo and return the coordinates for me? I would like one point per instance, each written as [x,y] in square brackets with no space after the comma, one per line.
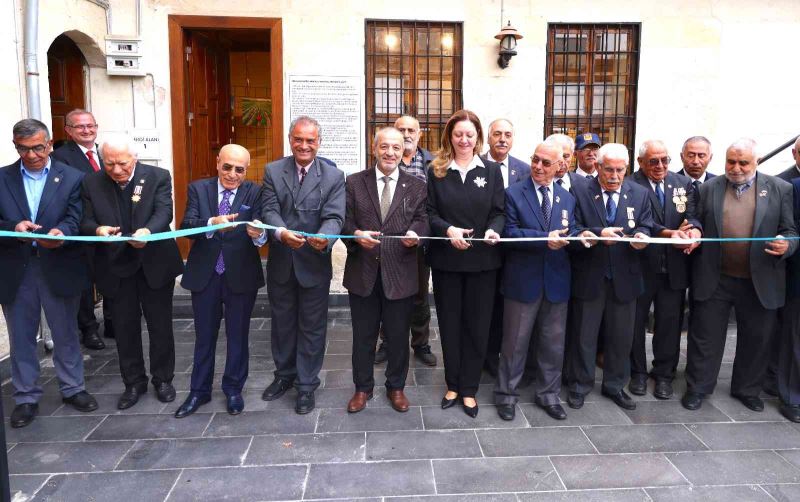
[31,38]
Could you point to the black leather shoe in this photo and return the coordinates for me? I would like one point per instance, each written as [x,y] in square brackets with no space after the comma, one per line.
[692,400]
[192,404]
[622,400]
[471,412]
[792,413]
[93,341]
[380,354]
[82,401]
[165,392]
[235,404]
[276,389]
[304,403]
[751,402]
[638,385]
[449,403]
[663,389]
[575,400]
[424,355]
[23,414]
[556,411]
[108,330]
[131,396]
[506,411]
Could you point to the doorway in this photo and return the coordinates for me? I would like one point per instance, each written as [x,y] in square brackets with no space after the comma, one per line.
[227,87]
[66,76]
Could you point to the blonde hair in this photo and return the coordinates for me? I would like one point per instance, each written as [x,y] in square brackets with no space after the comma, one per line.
[445,155]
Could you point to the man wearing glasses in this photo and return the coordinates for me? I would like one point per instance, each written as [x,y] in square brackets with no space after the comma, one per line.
[665,270]
[41,196]
[81,153]
[301,193]
[133,199]
[223,272]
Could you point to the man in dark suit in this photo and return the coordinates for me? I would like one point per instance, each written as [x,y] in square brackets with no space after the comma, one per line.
[536,282]
[415,162]
[749,276]
[134,199]
[788,353]
[224,273]
[606,276]
[771,378]
[695,156]
[666,270]
[500,139]
[81,153]
[40,195]
[301,193]
[380,275]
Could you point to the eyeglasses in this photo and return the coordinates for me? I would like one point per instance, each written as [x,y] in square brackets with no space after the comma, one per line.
[546,163]
[24,150]
[239,169]
[663,160]
[88,127]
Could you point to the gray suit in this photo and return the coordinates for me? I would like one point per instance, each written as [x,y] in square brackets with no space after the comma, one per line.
[298,281]
[755,300]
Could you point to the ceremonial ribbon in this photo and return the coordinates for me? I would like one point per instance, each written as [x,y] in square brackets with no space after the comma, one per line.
[172,234]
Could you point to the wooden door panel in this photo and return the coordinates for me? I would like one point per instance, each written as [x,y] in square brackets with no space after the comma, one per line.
[66,80]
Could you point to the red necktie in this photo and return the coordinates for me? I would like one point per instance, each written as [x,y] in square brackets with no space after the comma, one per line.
[92,162]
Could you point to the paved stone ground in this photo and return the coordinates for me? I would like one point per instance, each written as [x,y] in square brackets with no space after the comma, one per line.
[657,452]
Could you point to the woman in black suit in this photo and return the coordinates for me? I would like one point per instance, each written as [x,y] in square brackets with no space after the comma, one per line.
[465,199]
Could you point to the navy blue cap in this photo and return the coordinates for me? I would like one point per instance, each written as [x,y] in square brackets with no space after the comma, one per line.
[585,139]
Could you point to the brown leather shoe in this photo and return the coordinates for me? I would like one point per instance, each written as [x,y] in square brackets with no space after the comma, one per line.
[398,399]
[359,401]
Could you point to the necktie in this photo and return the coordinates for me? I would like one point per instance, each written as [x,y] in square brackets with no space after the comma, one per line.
[224,209]
[92,162]
[560,182]
[303,172]
[696,184]
[545,206]
[386,198]
[589,177]
[611,208]
[740,189]
[123,185]
[660,193]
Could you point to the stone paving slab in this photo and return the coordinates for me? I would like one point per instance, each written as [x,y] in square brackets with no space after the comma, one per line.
[600,453]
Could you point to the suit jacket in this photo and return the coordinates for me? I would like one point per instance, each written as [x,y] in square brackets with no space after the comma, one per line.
[70,153]
[789,174]
[477,203]
[518,170]
[674,261]
[397,263]
[316,207]
[793,263]
[709,175]
[531,268]
[591,264]
[774,215]
[64,268]
[160,260]
[243,271]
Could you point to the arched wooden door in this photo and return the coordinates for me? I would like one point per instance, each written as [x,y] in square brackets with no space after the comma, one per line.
[67,85]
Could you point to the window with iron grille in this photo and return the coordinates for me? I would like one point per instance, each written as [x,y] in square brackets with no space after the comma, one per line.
[592,74]
[413,68]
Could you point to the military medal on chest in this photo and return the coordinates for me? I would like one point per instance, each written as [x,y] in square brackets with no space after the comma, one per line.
[679,199]
[137,193]
[564,218]
[631,218]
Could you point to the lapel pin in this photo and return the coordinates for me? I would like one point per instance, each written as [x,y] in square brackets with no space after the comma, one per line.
[558,199]
[762,193]
[403,185]
[513,173]
[56,180]
[669,186]
[596,197]
[141,180]
[625,196]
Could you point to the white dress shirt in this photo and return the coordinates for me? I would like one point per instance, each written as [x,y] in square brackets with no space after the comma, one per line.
[463,171]
[583,174]
[393,176]
[93,149]
[566,183]
[503,167]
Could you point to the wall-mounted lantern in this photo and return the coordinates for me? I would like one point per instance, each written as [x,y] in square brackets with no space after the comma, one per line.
[508,37]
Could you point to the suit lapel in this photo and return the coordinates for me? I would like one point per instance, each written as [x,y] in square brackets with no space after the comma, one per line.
[371,188]
[529,192]
[17,189]
[760,185]
[718,200]
[211,192]
[556,215]
[621,218]
[139,180]
[399,194]
[645,182]
[289,176]
[236,204]
[596,193]
[51,186]
[110,188]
